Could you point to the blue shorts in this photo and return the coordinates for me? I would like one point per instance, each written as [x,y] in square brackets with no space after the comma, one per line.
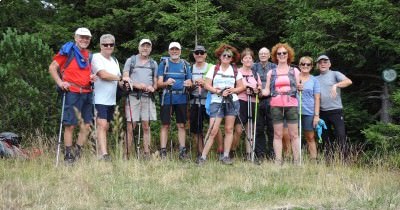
[226,109]
[105,112]
[83,102]
[307,122]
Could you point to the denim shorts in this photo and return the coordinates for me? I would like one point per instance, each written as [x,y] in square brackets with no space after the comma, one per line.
[226,109]
[83,102]
[307,122]
[281,113]
[105,112]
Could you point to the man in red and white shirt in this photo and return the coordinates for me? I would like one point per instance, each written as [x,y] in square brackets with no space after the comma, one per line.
[72,73]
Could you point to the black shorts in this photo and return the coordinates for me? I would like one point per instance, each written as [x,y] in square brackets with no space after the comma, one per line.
[196,121]
[244,116]
[178,109]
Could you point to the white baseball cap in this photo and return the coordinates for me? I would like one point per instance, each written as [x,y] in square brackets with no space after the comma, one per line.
[174,44]
[144,41]
[83,32]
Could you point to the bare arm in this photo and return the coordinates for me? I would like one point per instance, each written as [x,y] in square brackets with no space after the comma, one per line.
[317,102]
[104,75]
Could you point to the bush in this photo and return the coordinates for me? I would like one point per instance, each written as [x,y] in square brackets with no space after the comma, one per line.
[27,93]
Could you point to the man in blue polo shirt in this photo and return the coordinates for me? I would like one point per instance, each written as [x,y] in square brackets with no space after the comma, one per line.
[174,77]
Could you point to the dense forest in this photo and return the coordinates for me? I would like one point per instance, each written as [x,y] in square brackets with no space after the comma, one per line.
[361,37]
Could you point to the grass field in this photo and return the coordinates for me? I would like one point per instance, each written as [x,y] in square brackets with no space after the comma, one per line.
[170,184]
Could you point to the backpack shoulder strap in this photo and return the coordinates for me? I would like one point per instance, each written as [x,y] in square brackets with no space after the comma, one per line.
[207,69]
[133,64]
[153,66]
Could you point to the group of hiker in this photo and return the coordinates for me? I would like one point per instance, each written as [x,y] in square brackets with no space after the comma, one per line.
[264,100]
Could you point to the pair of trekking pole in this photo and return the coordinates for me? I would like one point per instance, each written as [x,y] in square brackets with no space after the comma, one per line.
[137,143]
[251,125]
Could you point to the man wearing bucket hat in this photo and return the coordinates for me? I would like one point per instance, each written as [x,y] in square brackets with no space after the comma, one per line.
[331,108]
[71,70]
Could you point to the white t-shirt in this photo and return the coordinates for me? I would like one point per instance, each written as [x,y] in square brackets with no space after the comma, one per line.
[222,80]
[105,91]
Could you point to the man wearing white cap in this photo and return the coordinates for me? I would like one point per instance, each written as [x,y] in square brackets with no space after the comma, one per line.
[331,108]
[174,76]
[71,70]
[141,73]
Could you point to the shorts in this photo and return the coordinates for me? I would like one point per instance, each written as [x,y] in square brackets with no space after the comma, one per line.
[140,109]
[226,109]
[105,112]
[307,122]
[83,102]
[196,121]
[244,116]
[178,109]
[290,114]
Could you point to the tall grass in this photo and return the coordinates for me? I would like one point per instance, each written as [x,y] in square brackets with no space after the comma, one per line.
[171,184]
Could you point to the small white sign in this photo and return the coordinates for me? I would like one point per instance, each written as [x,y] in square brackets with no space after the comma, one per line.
[389,75]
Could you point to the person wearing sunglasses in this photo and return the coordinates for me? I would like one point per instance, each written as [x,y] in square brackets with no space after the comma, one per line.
[71,70]
[282,83]
[310,101]
[106,67]
[224,82]
[198,114]
[331,107]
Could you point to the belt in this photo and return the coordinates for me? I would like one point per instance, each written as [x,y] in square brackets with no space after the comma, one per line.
[87,87]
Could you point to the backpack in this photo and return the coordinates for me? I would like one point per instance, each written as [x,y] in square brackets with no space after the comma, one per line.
[216,69]
[186,65]
[153,65]
[10,146]
[292,79]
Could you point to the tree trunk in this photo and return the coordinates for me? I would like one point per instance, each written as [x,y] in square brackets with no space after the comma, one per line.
[386,104]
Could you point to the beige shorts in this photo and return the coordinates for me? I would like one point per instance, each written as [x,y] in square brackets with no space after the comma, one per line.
[140,108]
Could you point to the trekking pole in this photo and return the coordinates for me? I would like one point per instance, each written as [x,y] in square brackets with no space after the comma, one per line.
[139,123]
[94,120]
[188,104]
[60,131]
[250,123]
[255,126]
[199,120]
[130,114]
[300,126]
[170,117]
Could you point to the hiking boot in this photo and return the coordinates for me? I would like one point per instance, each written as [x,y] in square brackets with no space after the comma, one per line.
[183,155]
[106,158]
[220,156]
[232,154]
[163,154]
[200,161]
[69,158]
[227,161]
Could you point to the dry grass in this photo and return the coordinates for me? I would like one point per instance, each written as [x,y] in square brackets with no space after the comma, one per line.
[155,184]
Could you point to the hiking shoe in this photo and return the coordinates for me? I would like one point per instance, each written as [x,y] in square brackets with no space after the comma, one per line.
[106,158]
[220,156]
[163,154]
[200,161]
[227,161]
[183,155]
[69,158]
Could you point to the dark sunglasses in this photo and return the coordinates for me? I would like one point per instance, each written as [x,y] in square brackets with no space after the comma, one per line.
[108,45]
[199,52]
[227,55]
[305,64]
[281,53]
